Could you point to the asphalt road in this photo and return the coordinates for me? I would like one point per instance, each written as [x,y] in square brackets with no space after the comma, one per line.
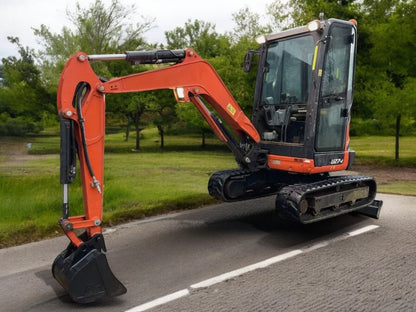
[327,268]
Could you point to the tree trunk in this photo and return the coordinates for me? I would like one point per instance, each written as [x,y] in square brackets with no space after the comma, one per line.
[397,136]
[127,130]
[203,138]
[162,136]
[138,129]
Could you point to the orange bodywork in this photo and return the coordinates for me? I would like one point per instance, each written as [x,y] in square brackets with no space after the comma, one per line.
[303,165]
[197,78]
[78,70]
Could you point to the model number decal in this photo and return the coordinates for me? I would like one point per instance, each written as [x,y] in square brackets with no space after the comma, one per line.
[336,161]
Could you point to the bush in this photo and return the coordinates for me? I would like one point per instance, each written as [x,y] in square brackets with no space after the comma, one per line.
[18,127]
[365,127]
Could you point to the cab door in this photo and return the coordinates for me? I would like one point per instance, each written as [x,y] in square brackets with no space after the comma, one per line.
[336,88]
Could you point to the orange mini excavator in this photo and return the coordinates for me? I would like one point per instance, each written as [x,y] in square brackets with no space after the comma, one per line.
[297,136]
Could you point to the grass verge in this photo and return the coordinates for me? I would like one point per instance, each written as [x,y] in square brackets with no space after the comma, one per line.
[137,184]
[380,150]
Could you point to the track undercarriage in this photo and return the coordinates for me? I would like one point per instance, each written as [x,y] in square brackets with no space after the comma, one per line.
[303,198]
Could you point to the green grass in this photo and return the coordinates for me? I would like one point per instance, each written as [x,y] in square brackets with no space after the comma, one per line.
[136,183]
[29,196]
[143,183]
[398,187]
[378,150]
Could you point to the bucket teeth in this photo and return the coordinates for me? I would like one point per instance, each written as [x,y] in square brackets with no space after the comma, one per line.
[84,272]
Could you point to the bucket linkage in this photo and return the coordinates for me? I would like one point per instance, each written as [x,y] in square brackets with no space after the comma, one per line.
[82,268]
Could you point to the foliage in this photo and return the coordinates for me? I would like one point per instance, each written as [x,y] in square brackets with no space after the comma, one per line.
[99,30]
[194,121]
[162,106]
[105,30]
[24,101]
[199,35]
[384,82]
[248,25]
[96,30]
[386,74]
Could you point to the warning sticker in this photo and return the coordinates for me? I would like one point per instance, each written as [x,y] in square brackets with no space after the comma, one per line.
[231,109]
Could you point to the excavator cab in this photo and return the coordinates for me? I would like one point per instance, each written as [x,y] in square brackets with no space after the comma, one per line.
[297,136]
[301,110]
[304,93]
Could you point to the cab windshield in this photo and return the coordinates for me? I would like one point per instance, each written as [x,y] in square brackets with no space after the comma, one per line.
[288,71]
[285,89]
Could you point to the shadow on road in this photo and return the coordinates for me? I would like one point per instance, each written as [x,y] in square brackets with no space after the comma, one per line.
[285,234]
[261,216]
[63,297]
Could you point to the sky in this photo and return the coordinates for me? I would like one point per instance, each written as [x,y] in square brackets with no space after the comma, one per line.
[19,17]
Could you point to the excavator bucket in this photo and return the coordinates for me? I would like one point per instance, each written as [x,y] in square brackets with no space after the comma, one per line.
[84,272]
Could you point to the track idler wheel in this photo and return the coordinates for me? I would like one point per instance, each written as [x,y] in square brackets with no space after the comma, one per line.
[84,272]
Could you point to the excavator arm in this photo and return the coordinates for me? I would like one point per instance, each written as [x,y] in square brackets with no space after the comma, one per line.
[81,106]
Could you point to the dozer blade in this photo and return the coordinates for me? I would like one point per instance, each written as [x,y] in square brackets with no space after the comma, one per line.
[84,272]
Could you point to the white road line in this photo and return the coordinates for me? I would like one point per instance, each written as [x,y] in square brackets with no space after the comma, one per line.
[160,301]
[226,276]
[229,275]
[363,230]
[317,246]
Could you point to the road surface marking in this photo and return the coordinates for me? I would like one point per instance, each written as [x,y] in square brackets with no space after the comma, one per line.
[233,274]
[160,301]
[229,275]
[363,230]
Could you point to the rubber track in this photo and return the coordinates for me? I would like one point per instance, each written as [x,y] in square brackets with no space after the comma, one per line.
[218,179]
[289,197]
[257,183]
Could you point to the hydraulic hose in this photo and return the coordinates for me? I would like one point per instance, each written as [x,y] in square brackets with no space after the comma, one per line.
[81,87]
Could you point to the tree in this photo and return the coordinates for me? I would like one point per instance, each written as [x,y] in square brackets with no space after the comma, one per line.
[135,111]
[24,102]
[98,29]
[104,30]
[193,119]
[300,12]
[280,14]
[162,105]
[199,35]
[248,25]
[391,50]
